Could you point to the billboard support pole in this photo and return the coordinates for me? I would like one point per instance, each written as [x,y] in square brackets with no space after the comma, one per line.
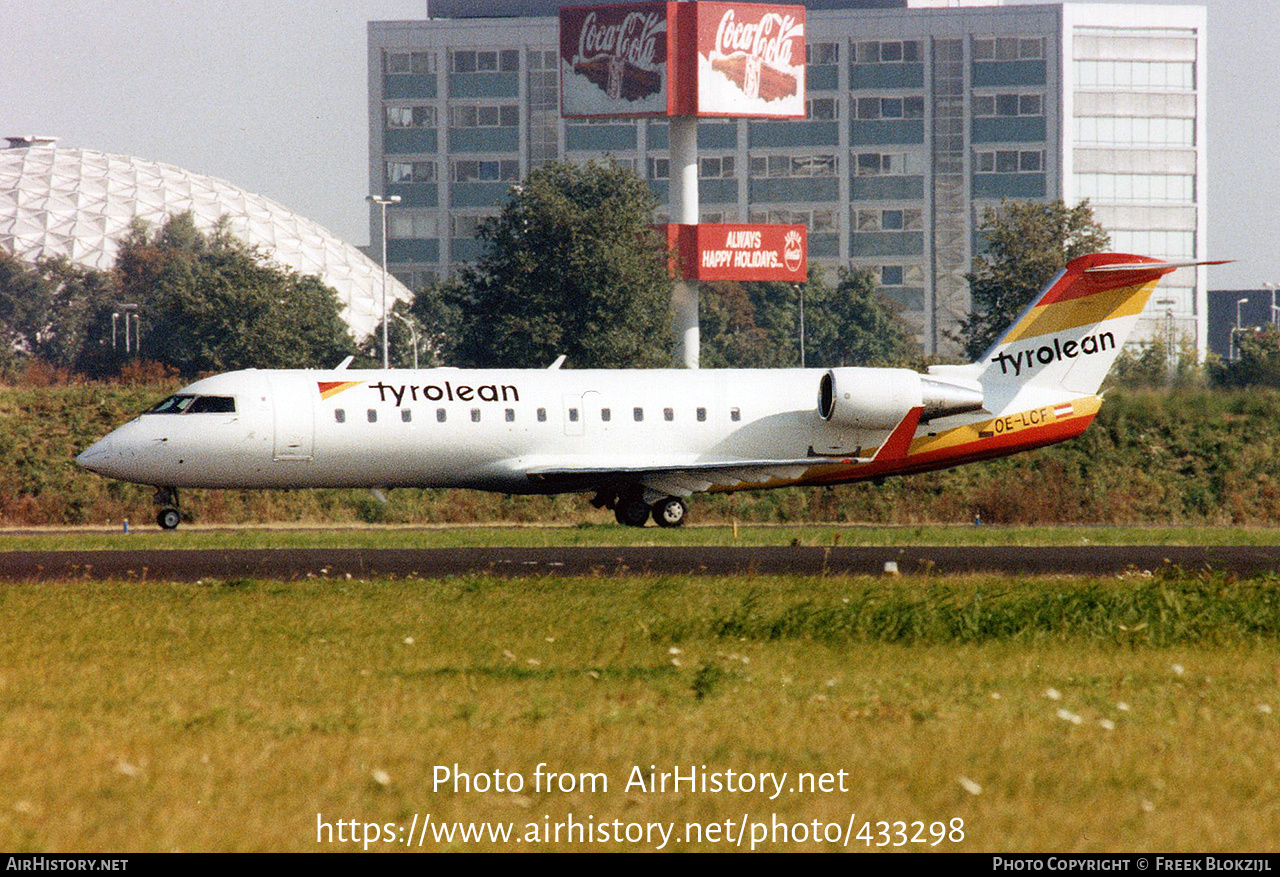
[683,192]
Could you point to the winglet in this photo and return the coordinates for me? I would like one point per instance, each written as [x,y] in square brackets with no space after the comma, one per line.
[559,362]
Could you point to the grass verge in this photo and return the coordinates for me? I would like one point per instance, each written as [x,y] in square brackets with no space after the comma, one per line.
[1047,714]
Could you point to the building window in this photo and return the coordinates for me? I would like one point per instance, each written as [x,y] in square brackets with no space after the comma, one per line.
[1129,131]
[486,171]
[822,54]
[820,221]
[1137,75]
[416,63]
[465,225]
[902,275]
[717,168]
[411,117]
[1136,187]
[468,61]
[822,108]
[910,219]
[659,168]
[1008,49]
[784,166]
[484,116]
[871,108]
[543,59]
[403,225]
[1007,105]
[887,52]
[887,164]
[1009,161]
[411,172]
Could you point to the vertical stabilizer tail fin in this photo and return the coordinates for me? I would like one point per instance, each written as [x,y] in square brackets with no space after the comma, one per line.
[1066,341]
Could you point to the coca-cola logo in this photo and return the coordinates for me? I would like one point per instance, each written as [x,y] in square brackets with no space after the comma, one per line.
[793,251]
[768,39]
[634,39]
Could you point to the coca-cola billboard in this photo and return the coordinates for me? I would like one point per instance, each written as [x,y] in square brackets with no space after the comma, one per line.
[613,59]
[736,251]
[750,60]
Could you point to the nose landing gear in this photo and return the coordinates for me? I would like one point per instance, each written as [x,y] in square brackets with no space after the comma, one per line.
[168,516]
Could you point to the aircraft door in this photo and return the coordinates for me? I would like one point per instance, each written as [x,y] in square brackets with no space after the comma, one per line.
[294,410]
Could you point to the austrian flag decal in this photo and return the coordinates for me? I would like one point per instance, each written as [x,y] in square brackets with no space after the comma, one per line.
[333,388]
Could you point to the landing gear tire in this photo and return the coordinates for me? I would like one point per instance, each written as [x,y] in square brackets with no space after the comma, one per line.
[669,512]
[166,500]
[631,512]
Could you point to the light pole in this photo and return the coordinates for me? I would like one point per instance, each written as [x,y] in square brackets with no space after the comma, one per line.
[383,201]
[413,333]
[1235,347]
[1272,287]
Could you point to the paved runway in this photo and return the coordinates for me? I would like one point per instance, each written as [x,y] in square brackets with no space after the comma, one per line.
[295,563]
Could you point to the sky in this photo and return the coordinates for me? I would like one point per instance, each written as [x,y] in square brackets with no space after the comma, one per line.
[271,95]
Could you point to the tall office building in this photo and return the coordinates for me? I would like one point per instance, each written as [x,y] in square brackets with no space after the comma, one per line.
[922,115]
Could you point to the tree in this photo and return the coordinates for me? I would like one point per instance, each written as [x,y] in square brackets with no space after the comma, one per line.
[1028,242]
[572,266]
[212,303]
[757,325]
[1257,361]
[854,324]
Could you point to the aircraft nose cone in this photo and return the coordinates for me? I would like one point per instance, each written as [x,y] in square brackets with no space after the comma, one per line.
[96,455]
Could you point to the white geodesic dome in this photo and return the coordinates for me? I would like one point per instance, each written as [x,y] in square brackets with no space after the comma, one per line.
[77,203]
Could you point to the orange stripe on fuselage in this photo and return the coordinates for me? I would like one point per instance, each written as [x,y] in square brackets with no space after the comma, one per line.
[997,437]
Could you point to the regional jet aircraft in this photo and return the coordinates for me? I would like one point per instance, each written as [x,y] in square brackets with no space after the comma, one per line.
[641,441]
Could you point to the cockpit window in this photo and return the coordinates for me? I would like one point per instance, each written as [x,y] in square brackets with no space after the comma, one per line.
[213,405]
[173,405]
[182,404]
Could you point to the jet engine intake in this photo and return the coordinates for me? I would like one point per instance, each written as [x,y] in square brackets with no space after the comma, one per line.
[878,398]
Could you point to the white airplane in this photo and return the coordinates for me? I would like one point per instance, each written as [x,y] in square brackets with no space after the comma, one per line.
[641,440]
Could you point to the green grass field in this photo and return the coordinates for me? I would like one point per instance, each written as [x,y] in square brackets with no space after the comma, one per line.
[149,536]
[1140,713]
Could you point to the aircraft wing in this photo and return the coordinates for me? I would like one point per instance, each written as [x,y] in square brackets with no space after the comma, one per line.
[683,479]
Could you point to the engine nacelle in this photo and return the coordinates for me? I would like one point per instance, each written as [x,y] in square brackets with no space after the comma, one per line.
[878,398]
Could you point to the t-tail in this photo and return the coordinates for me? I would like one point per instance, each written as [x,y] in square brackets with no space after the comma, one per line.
[1062,346]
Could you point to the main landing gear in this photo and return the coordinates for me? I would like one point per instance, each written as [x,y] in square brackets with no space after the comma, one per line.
[168,516]
[631,510]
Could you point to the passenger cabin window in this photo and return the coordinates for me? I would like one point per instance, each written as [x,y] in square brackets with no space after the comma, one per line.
[542,415]
[372,414]
[406,414]
[573,415]
[668,414]
[183,404]
[511,415]
[735,414]
[440,415]
[475,415]
[702,415]
[339,415]
[638,414]
[605,414]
